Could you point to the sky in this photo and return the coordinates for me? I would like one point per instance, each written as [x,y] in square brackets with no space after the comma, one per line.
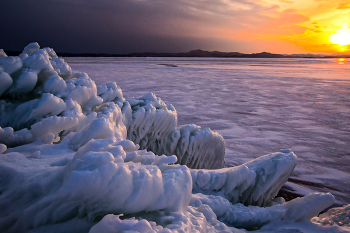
[127,26]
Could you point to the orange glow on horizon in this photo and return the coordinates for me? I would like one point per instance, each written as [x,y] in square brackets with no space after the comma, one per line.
[279,26]
[303,26]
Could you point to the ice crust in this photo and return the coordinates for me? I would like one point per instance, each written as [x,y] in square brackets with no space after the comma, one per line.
[76,157]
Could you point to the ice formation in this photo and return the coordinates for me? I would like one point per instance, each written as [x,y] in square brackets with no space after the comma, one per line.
[75,157]
[254,183]
[153,125]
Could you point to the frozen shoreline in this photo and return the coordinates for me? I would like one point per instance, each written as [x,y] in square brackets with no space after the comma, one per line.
[66,163]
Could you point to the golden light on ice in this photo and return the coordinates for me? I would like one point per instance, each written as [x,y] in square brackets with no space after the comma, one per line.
[341,61]
[341,37]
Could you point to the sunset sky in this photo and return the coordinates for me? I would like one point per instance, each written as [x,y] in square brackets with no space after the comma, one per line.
[125,26]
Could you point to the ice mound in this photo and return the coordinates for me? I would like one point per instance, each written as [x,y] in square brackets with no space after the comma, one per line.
[152,124]
[43,99]
[89,185]
[195,148]
[75,157]
[148,120]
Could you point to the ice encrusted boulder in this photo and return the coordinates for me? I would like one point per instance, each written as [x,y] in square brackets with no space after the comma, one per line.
[42,98]
[254,183]
[195,147]
[87,184]
[67,164]
[39,89]
[153,125]
[149,120]
[238,215]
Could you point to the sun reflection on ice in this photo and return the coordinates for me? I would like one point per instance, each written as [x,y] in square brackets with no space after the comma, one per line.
[341,61]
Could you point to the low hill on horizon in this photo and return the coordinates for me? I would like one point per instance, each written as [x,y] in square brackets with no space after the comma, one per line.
[196,53]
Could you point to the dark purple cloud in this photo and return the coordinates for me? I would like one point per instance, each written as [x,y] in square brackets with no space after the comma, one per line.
[124,26]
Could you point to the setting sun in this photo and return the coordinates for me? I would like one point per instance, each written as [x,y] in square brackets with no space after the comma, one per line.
[341,37]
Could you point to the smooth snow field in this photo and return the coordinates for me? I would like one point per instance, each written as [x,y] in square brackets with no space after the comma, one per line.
[109,145]
[259,106]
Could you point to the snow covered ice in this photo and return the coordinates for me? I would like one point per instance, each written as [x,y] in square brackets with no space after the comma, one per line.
[76,157]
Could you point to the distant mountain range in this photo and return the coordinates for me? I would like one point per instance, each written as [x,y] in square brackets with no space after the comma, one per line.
[197,53]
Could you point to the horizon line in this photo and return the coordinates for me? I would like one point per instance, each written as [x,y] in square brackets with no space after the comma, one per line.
[193,53]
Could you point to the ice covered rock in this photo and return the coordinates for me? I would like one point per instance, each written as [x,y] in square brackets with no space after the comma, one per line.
[195,147]
[148,120]
[91,184]
[241,216]
[254,183]
[28,70]
[32,68]
[153,125]
[39,89]
[45,86]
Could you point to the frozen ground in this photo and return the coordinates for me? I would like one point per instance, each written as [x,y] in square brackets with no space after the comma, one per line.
[76,157]
[258,105]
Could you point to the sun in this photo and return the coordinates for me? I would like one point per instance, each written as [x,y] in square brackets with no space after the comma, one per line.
[341,37]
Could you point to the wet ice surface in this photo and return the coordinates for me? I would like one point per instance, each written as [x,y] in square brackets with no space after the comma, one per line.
[258,105]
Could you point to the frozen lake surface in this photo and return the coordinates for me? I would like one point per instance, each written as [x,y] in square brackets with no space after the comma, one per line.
[258,105]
